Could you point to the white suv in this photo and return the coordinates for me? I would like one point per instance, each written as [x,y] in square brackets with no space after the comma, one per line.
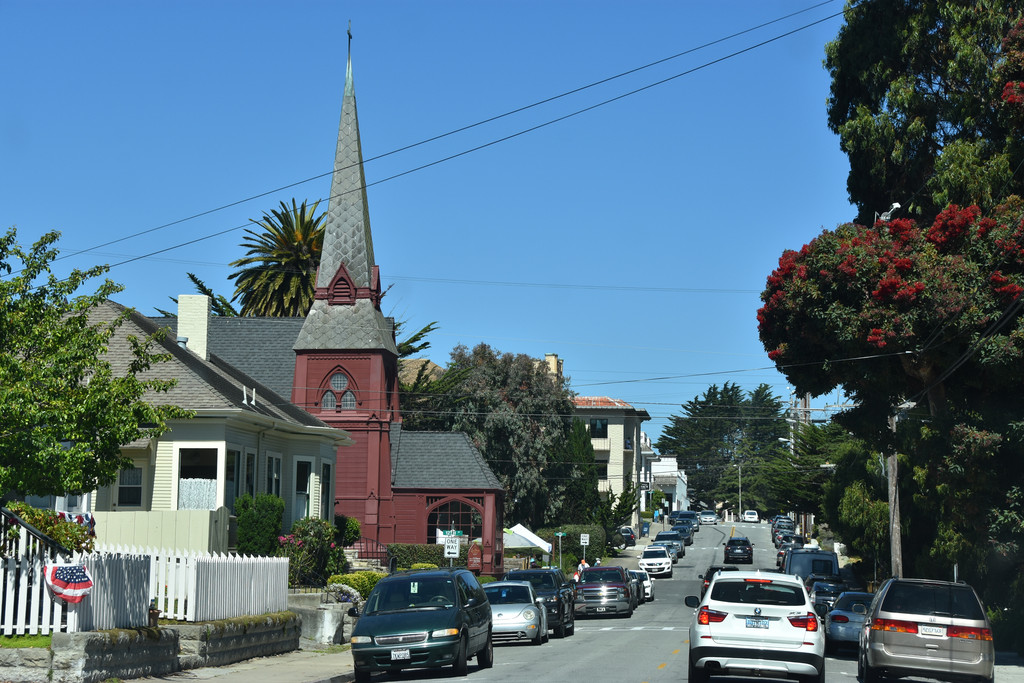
[751,516]
[755,623]
[656,561]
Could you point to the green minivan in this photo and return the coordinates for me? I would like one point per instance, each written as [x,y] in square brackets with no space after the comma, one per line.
[423,619]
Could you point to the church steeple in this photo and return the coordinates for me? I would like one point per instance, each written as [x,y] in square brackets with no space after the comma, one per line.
[346,310]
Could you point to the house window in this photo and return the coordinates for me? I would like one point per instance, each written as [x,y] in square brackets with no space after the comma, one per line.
[232,478]
[303,474]
[250,473]
[129,487]
[326,504]
[339,386]
[602,469]
[274,474]
[599,428]
[455,515]
[197,479]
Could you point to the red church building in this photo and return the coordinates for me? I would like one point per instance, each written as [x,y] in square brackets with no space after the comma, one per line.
[340,364]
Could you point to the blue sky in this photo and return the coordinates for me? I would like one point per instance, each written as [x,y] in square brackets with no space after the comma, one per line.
[632,239]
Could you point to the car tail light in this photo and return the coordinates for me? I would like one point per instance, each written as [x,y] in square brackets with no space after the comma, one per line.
[808,622]
[969,632]
[894,625]
[757,580]
[709,616]
[840,619]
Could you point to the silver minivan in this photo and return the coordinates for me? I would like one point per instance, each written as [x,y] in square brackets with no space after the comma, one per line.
[925,627]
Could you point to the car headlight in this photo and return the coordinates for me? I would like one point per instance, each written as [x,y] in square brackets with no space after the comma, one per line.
[551,599]
[357,640]
[529,614]
[444,633]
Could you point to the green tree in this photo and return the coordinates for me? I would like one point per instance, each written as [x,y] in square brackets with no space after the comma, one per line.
[65,410]
[277,276]
[219,304]
[572,478]
[614,511]
[931,314]
[518,415]
[927,101]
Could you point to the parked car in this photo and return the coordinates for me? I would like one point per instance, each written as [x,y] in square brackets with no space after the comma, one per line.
[628,537]
[755,621]
[559,596]
[780,556]
[604,590]
[795,539]
[656,561]
[710,573]
[636,587]
[926,627]
[739,549]
[676,538]
[751,516]
[690,515]
[825,591]
[518,612]
[845,619]
[446,609]
[708,517]
[685,529]
[646,582]
[670,546]
[806,561]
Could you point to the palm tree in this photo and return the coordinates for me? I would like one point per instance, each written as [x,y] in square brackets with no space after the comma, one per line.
[279,274]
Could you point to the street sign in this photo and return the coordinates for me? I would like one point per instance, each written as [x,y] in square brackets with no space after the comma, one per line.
[560,533]
[645,486]
[584,539]
[451,546]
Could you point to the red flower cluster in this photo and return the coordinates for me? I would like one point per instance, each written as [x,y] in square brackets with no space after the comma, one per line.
[951,226]
[1013,92]
[1002,285]
[877,337]
[894,287]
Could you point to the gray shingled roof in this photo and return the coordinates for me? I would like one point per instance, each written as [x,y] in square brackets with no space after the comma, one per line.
[438,460]
[201,384]
[357,326]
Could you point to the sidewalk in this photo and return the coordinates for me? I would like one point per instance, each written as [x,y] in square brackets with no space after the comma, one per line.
[298,666]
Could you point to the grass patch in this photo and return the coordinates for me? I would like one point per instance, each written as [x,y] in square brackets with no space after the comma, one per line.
[25,641]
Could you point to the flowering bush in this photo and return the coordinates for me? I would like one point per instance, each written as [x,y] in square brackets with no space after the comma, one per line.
[69,534]
[312,552]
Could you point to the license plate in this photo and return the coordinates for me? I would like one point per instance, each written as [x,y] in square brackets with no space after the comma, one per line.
[753,622]
[927,630]
[400,655]
[602,609]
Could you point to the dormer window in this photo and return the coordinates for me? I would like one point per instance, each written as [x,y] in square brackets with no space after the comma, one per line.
[339,387]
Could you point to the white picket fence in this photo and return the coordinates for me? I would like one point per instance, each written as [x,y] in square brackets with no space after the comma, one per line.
[194,587]
[26,605]
[127,581]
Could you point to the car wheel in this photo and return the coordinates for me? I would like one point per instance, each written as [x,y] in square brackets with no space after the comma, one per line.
[538,639]
[695,675]
[670,574]
[560,628]
[865,673]
[485,658]
[362,676]
[571,629]
[461,667]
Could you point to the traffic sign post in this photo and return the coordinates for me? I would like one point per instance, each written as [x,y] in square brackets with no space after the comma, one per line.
[559,534]
[451,548]
[584,541]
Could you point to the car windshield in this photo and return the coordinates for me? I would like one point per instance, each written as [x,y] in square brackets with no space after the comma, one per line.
[412,593]
[738,541]
[507,595]
[828,587]
[592,576]
[655,552]
[940,600]
[538,579]
[667,536]
[757,593]
[847,602]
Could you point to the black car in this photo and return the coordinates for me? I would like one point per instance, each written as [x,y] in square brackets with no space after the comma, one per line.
[446,609]
[558,593]
[710,574]
[825,593]
[739,549]
[685,530]
[628,536]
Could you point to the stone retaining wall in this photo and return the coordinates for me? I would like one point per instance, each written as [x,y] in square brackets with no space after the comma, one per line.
[95,656]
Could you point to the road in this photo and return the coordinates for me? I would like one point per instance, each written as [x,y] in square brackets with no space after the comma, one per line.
[651,646]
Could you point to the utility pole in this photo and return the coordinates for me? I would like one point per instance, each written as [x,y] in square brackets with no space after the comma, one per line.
[895,528]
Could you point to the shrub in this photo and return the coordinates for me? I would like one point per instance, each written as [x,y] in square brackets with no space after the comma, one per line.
[363,582]
[311,551]
[348,530]
[71,535]
[342,592]
[486,579]
[259,523]
[423,565]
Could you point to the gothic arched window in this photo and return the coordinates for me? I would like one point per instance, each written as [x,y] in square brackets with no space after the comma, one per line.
[338,385]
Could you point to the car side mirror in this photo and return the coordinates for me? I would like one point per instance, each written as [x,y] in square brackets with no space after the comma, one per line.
[820,609]
[860,609]
[353,612]
[691,601]
[540,601]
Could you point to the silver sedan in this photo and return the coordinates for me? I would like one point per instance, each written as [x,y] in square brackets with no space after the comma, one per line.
[517,612]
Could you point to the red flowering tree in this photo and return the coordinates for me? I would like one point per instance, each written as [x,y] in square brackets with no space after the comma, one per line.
[898,311]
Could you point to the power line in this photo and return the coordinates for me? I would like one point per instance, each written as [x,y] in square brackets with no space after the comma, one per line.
[480,147]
